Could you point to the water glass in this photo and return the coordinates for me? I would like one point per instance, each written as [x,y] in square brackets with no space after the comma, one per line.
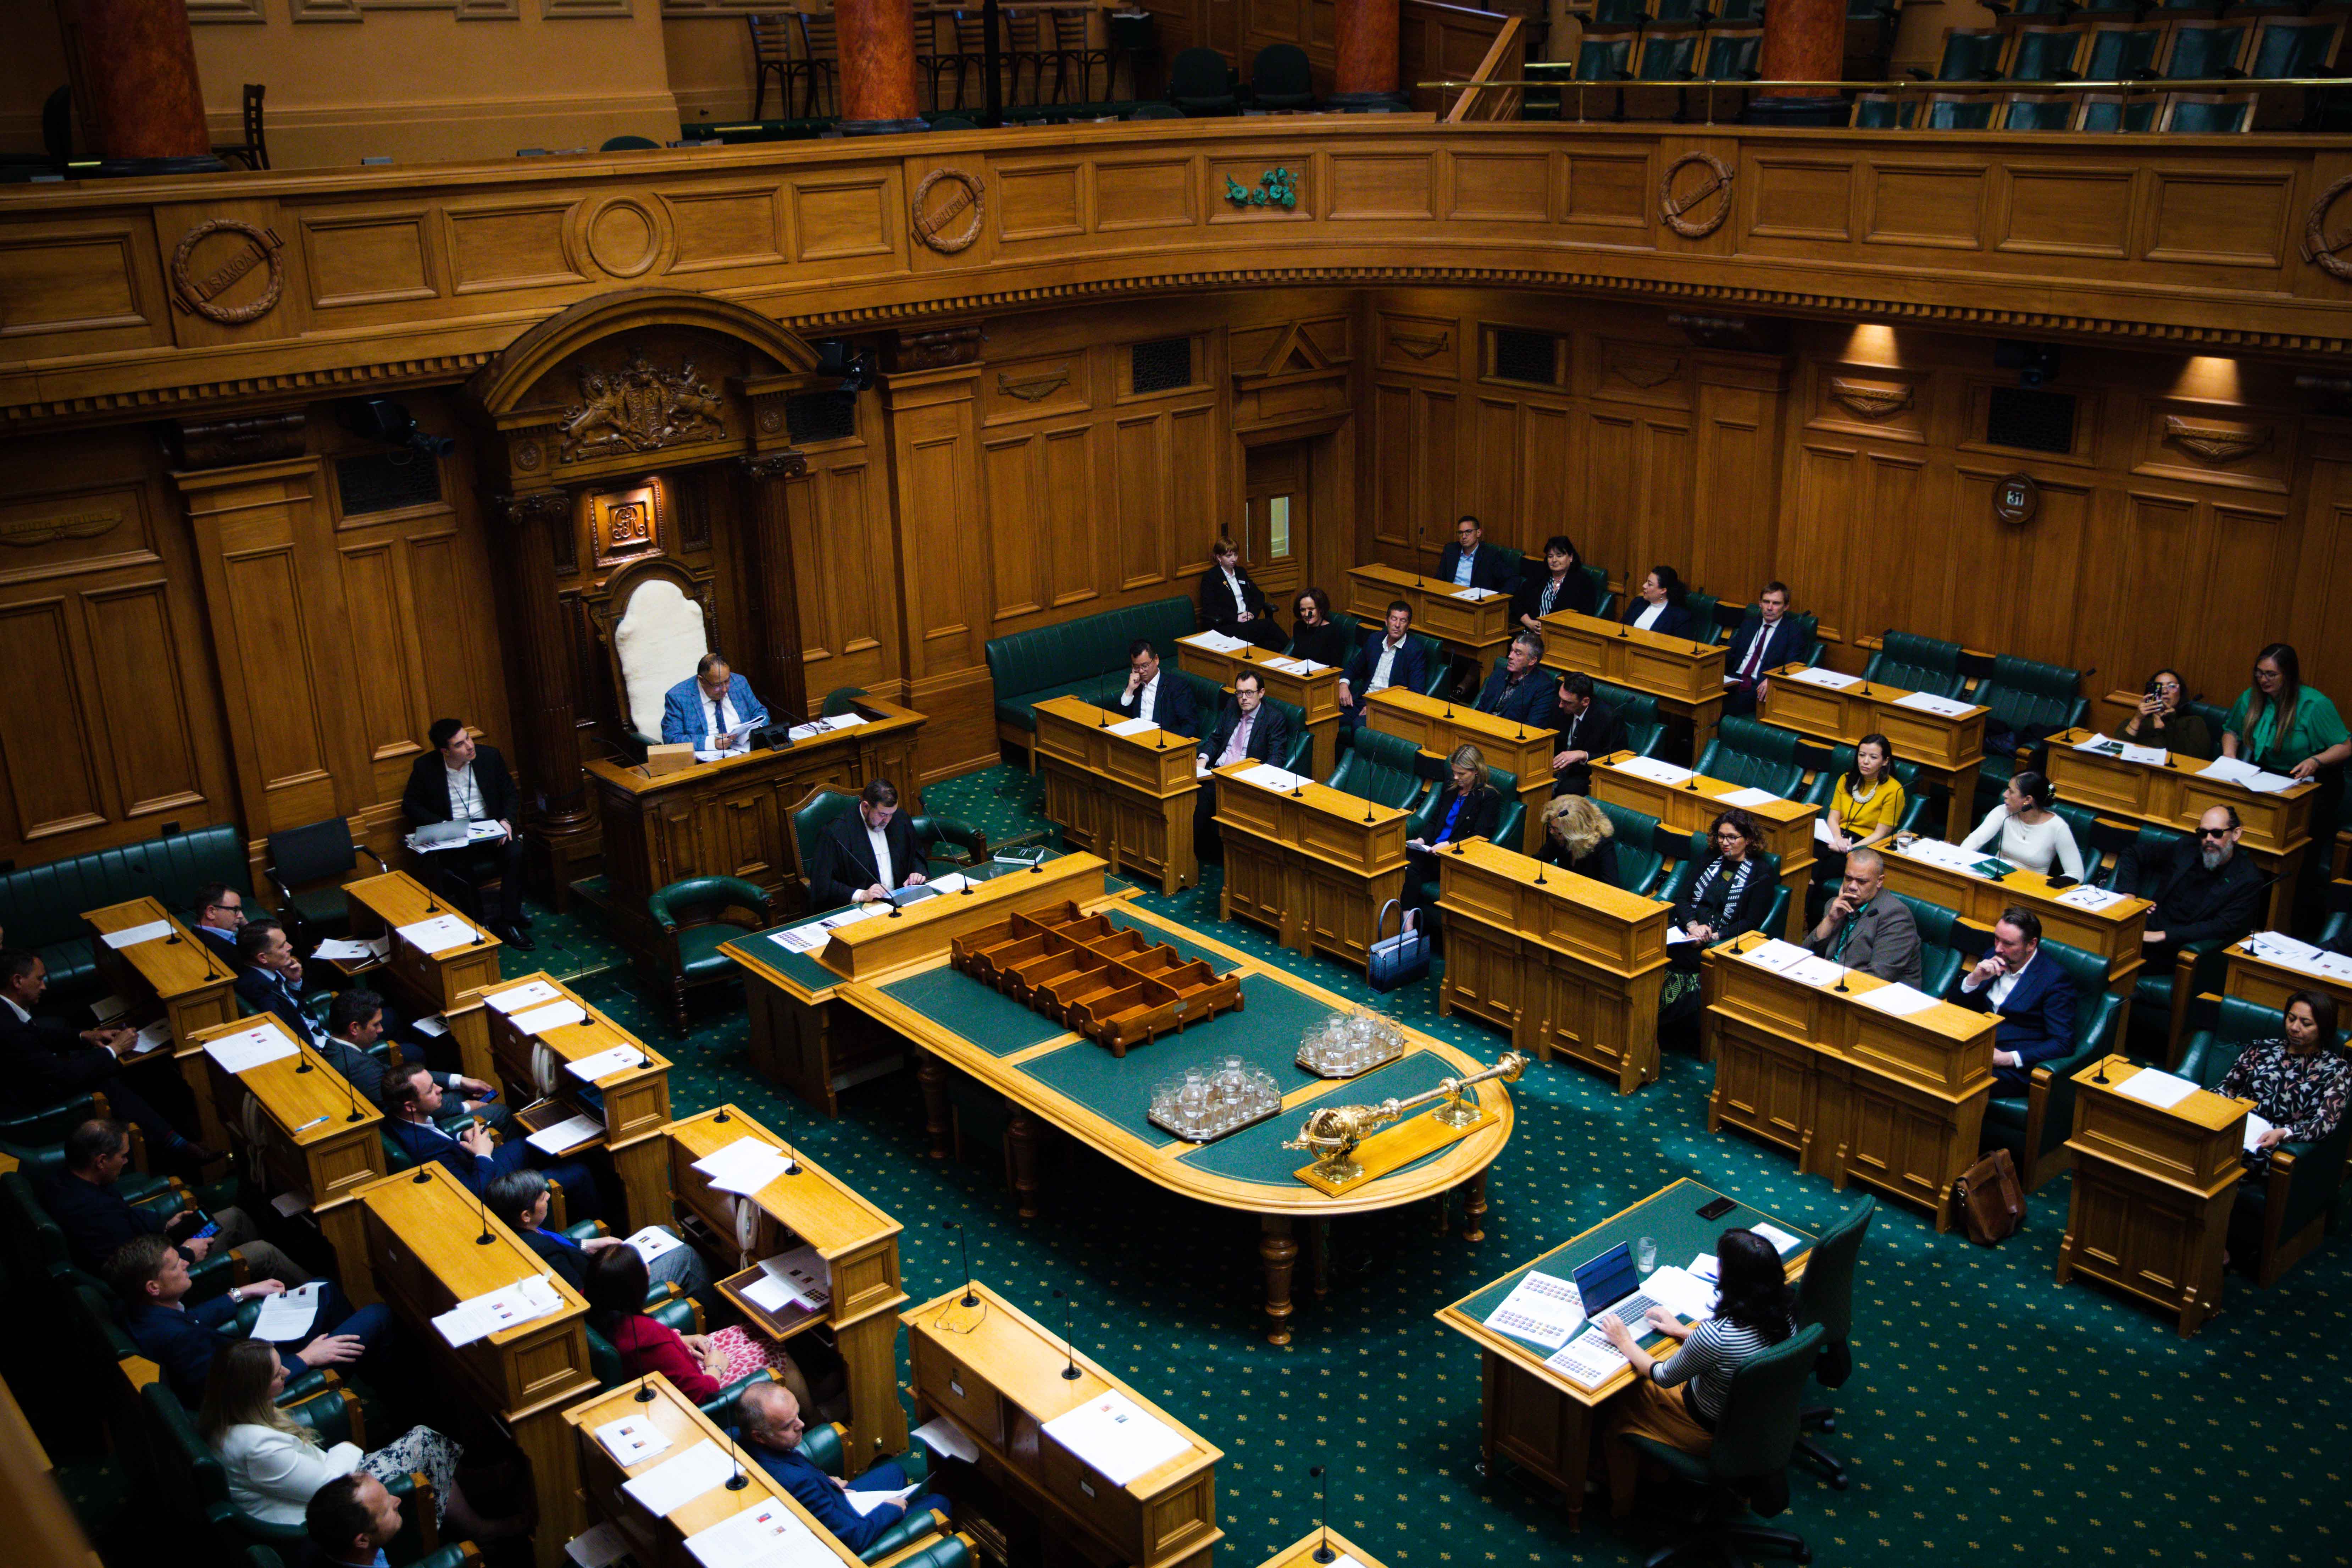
[1645,1254]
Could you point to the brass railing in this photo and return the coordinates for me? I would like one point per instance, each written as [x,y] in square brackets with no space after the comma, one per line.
[1911,86]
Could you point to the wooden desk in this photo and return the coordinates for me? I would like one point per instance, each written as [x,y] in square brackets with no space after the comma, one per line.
[858,1241]
[1437,727]
[420,1249]
[996,1372]
[1128,798]
[311,1131]
[1686,676]
[1474,626]
[633,1103]
[1565,963]
[734,817]
[1315,693]
[1948,750]
[429,982]
[2271,983]
[177,977]
[1537,1419]
[1318,866]
[2277,826]
[1855,1093]
[801,1039]
[659,1540]
[1300,1553]
[2153,1189]
[2114,932]
[1787,825]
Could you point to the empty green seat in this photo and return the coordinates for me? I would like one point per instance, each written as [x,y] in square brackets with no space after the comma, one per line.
[1754,755]
[1917,664]
[2289,47]
[1947,112]
[2045,54]
[1605,56]
[2122,52]
[1382,768]
[2206,51]
[1637,716]
[1884,111]
[1731,55]
[2206,114]
[2034,701]
[2109,111]
[1969,54]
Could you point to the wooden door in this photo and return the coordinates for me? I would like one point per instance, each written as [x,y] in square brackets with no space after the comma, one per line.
[1278,502]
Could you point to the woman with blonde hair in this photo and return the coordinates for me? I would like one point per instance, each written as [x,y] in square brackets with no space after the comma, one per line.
[274,1463]
[1578,838]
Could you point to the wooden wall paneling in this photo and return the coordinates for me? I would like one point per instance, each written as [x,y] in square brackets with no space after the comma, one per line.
[942,560]
[2322,604]
[1735,493]
[54,778]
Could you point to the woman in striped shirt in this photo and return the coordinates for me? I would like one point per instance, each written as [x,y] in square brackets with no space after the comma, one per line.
[1754,1308]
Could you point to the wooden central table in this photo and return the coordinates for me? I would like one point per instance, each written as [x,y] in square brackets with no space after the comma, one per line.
[1313,689]
[1542,1420]
[1686,676]
[1692,805]
[1127,798]
[1475,622]
[894,978]
[1315,863]
[174,974]
[1946,747]
[1438,727]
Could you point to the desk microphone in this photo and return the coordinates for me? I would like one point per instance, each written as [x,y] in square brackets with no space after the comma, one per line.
[1323,1554]
[486,1237]
[1069,1350]
[302,1058]
[739,1481]
[2102,1075]
[970,1297]
[353,1095]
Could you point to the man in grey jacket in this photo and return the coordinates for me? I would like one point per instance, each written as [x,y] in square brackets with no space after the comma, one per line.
[1867,927]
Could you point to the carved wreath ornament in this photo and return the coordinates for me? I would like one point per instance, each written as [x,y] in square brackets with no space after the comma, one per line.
[1676,209]
[2318,246]
[259,246]
[936,212]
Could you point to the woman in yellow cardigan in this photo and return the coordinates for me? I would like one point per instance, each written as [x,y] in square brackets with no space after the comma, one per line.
[1868,804]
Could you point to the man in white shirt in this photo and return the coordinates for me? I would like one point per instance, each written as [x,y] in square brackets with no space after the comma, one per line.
[705,711]
[220,911]
[461,780]
[2033,998]
[1383,661]
[1765,642]
[1166,701]
[1465,565]
[866,853]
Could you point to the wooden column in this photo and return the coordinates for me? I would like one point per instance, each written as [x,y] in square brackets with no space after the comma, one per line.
[140,97]
[1366,69]
[876,38]
[776,597]
[561,822]
[1804,40]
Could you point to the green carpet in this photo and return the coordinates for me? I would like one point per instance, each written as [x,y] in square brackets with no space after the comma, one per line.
[1993,1416]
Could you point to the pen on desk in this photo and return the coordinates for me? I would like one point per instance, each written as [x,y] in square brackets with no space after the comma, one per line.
[308,1125]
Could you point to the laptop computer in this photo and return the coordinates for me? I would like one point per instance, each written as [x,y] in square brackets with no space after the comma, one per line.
[1608,1283]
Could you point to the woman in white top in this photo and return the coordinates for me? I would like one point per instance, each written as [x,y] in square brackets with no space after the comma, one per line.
[274,1463]
[2031,834]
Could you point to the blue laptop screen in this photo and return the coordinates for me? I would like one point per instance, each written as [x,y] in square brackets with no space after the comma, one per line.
[1608,1278]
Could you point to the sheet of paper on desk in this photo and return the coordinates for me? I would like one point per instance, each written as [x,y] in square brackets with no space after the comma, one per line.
[1654,771]
[1680,1292]
[2280,948]
[439,934]
[1541,1309]
[1131,727]
[1217,642]
[599,1546]
[1782,1242]
[2085,897]
[945,1438]
[1706,1267]
[1928,702]
[1898,999]
[675,1482]
[2270,783]
[133,937]
[248,1048]
[773,1294]
[2153,1086]
[604,1064]
[631,1440]
[154,1037]
[766,1535]
[2255,1128]
[343,950]
[948,882]
[1474,594]
[804,1270]
[531,994]
[487,1314]
[654,1241]
[866,1503]
[1115,1438]
[1749,797]
[1287,666]
[2148,756]
[2102,745]
[743,1166]
[290,1314]
[554,1015]
[1775,953]
[2230,770]
[1815,676]
[433,1027]
[1818,971]
[569,1131]
[1266,776]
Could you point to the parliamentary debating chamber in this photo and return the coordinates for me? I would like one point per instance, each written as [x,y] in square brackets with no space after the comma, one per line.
[1133,783]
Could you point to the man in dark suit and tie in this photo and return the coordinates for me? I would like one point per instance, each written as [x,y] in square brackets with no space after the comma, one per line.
[220,911]
[1588,729]
[866,853]
[2034,1000]
[45,1060]
[1247,729]
[771,1426]
[1519,691]
[1391,659]
[1231,604]
[412,1100]
[1164,698]
[1465,565]
[1765,641]
[151,1279]
[460,779]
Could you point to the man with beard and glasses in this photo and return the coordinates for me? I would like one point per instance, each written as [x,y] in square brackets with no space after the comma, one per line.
[2204,889]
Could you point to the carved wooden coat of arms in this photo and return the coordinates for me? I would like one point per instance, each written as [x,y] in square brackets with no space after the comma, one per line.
[639,408]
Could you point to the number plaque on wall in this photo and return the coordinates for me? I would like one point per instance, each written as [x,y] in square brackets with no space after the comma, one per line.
[2015,499]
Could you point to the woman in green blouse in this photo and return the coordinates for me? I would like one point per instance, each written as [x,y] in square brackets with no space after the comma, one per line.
[2282,725]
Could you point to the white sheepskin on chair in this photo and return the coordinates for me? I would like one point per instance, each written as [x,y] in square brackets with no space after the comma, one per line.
[660,639]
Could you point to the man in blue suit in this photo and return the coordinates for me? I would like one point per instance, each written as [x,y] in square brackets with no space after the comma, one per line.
[769,1419]
[1165,700]
[411,1100]
[1764,642]
[1518,690]
[2034,1001]
[1389,659]
[716,703]
[152,1279]
[1465,565]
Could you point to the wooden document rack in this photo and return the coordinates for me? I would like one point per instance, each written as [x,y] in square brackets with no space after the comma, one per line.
[1113,985]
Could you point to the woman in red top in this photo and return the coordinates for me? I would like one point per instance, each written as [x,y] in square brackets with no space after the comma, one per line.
[700,1365]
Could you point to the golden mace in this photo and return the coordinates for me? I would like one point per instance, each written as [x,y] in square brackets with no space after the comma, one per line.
[1332,1133]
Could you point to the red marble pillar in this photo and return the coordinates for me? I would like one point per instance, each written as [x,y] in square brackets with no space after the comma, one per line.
[141,96]
[878,65]
[1804,40]
[1367,65]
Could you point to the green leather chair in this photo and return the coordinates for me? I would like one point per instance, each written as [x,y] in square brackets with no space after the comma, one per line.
[2338,932]
[2034,1130]
[1745,1472]
[2295,1203]
[840,701]
[2124,51]
[1754,755]
[2206,51]
[1637,715]
[1969,54]
[1940,959]
[2108,113]
[1639,864]
[2124,847]
[967,845]
[2084,824]
[1084,658]
[1825,1298]
[2289,47]
[694,916]
[1884,111]
[2045,54]
[1917,664]
[2036,701]
[1385,769]
[36,1139]
[306,867]
[44,901]
[816,812]
[45,1253]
